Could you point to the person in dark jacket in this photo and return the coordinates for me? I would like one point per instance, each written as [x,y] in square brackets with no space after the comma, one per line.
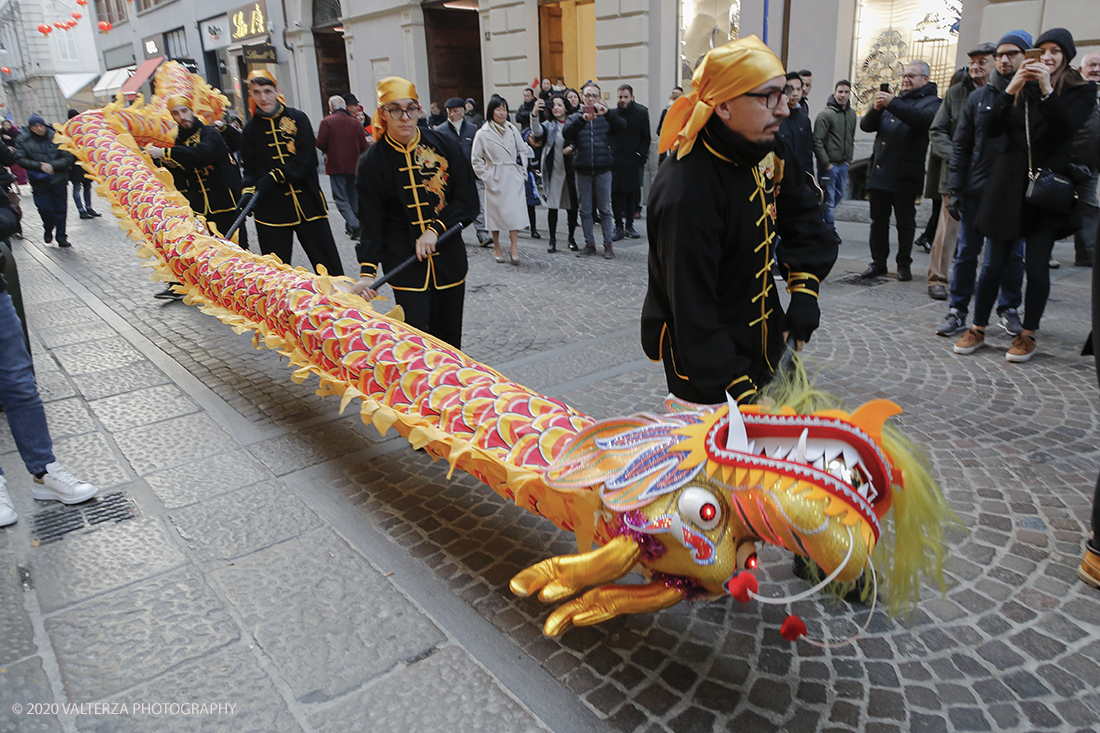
[1053,100]
[48,169]
[795,129]
[972,157]
[459,128]
[835,146]
[589,132]
[630,147]
[712,312]
[278,152]
[523,112]
[342,139]
[1087,151]
[81,184]
[415,184]
[897,165]
[472,113]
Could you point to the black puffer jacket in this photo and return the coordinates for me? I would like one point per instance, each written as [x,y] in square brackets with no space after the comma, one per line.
[31,151]
[591,141]
[630,147]
[897,164]
[1054,122]
[972,150]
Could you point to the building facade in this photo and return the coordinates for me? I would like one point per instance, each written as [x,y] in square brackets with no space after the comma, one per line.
[46,73]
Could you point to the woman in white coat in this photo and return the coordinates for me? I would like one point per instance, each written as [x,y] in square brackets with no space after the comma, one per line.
[499,157]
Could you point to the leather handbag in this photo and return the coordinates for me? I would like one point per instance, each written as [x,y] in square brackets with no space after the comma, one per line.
[1046,189]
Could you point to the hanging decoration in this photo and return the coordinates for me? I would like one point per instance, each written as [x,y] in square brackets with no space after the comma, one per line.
[81,3]
[45,29]
[5,69]
[104,26]
[76,15]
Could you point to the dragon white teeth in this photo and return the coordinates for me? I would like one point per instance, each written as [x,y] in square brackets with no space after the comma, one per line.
[800,451]
[737,439]
[851,455]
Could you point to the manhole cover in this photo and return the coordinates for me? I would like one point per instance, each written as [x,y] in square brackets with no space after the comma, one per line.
[866,282]
[51,525]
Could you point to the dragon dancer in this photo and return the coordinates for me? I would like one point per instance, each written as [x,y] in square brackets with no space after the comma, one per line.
[278,153]
[414,184]
[721,213]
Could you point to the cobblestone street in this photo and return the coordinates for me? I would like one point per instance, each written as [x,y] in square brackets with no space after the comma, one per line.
[293,563]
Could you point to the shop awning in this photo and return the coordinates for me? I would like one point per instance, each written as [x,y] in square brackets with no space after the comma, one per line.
[72,83]
[112,81]
[146,70]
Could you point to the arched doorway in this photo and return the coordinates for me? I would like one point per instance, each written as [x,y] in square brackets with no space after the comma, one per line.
[332,57]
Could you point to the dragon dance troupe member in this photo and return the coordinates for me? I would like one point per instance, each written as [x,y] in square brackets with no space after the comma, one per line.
[720,212]
[415,183]
[203,169]
[278,153]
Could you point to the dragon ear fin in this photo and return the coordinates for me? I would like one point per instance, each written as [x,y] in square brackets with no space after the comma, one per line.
[737,439]
[583,463]
[871,416]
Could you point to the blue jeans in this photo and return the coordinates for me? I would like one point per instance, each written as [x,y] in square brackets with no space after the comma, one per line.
[833,183]
[346,196]
[601,184]
[52,204]
[87,186]
[19,393]
[970,246]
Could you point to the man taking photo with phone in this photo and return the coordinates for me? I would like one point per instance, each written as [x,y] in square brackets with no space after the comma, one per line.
[589,132]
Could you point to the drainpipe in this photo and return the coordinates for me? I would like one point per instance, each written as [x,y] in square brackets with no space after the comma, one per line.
[766,8]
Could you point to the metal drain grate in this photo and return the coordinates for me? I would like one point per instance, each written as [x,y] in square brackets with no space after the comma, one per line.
[51,525]
[866,282]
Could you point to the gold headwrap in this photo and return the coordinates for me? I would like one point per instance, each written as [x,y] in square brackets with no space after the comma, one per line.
[725,72]
[390,89]
[261,74]
[176,100]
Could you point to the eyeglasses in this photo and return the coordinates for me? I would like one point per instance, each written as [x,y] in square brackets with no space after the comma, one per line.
[397,113]
[1007,54]
[771,99]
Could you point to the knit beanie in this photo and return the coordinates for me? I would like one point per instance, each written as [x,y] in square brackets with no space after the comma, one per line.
[1020,39]
[36,119]
[1063,38]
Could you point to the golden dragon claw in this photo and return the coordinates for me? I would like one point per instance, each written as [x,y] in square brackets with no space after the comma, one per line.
[562,576]
[608,601]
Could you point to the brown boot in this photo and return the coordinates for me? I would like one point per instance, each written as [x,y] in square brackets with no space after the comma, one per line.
[608,252]
[1089,571]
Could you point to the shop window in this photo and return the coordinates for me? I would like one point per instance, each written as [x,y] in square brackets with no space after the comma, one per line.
[175,44]
[705,24]
[112,11]
[66,47]
[889,33]
[147,4]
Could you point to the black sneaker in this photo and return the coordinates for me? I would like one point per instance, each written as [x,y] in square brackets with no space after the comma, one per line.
[923,243]
[1011,323]
[617,234]
[873,271]
[633,233]
[904,274]
[169,294]
[85,215]
[953,324]
[47,237]
[94,214]
[66,243]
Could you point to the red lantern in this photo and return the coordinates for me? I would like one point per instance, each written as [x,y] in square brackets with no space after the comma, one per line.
[45,29]
[76,15]
[5,69]
[81,3]
[59,25]
[104,26]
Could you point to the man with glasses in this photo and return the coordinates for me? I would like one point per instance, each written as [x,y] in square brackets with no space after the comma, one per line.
[278,153]
[414,184]
[589,132]
[896,178]
[727,204]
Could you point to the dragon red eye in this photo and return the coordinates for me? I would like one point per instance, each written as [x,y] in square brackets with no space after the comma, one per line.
[708,512]
[750,563]
[700,507]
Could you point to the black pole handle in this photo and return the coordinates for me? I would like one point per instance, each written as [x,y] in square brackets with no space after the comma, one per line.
[243,215]
[449,234]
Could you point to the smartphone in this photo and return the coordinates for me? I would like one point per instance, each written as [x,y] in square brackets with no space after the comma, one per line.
[590,109]
[884,87]
[1033,54]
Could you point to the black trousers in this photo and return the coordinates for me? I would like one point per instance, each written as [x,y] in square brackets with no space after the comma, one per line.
[905,215]
[314,236]
[933,221]
[1037,249]
[623,206]
[224,221]
[438,312]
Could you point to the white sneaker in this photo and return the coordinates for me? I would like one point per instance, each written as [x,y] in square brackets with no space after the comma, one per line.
[59,485]
[7,511]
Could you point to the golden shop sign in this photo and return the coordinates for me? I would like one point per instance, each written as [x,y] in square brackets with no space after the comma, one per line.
[249,21]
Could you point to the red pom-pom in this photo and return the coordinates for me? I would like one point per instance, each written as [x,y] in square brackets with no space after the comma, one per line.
[792,628]
[740,585]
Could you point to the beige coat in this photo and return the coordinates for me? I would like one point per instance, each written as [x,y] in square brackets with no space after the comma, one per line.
[494,161]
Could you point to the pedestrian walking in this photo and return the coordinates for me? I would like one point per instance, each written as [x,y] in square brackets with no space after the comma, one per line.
[414,184]
[342,139]
[712,313]
[462,131]
[1089,569]
[47,167]
[280,167]
[559,187]
[589,133]
[1086,147]
[499,158]
[1040,111]
[901,125]
[9,133]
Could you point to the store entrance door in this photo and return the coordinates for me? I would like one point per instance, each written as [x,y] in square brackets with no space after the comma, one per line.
[567,42]
[453,37]
[332,64]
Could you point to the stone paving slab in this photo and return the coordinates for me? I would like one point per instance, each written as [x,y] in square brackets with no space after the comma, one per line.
[16,631]
[24,683]
[328,621]
[220,474]
[120,639]
[461,701]
[142,407]
[174,442]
